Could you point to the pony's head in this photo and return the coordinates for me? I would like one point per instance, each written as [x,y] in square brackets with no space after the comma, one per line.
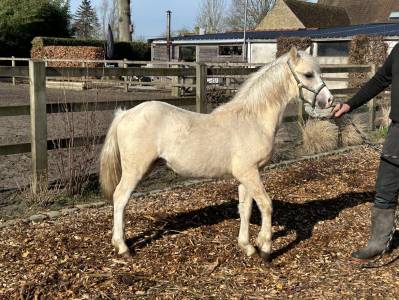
[306,72]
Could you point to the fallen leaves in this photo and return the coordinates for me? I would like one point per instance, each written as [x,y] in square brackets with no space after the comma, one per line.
[185,243]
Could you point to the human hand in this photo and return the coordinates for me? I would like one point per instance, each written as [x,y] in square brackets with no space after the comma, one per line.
[339,110]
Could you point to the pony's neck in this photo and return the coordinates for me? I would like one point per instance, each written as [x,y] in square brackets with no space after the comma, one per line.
[264,96]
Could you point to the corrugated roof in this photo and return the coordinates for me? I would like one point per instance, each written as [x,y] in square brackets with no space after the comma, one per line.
[387,29]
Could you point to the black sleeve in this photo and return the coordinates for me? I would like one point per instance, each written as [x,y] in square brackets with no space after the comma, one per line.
[381,80]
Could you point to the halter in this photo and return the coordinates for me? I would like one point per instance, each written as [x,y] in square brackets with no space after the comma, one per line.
[302,86]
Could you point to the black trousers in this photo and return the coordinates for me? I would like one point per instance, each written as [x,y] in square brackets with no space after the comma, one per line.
[387,184]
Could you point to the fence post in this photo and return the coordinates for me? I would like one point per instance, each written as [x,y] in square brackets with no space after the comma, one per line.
[13,65]
[125,77]
[37,79]
[176,81]
[371,103]
[200,94]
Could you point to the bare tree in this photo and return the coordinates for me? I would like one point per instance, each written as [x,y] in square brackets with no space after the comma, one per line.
[256,11]
[108,12]
[125,24]
[103,12]
[211,15]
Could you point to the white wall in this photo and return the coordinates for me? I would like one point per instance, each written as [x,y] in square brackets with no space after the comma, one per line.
[262,52]
[391,44]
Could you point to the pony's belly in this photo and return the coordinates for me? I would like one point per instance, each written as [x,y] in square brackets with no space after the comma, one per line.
[195,169]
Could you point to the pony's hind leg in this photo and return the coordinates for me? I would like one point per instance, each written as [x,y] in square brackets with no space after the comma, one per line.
[245,210]
[121,197]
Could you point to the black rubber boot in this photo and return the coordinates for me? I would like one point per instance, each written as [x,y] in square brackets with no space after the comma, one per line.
[382,222]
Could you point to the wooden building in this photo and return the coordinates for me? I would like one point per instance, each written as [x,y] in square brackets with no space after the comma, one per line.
[329,44]
[330,27]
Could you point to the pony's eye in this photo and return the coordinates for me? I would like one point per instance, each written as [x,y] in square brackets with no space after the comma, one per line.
[309,75]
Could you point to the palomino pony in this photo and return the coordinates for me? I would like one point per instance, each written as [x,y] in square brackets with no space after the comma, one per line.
[235,139]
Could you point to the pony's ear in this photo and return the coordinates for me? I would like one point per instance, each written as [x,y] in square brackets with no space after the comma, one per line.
[294,55]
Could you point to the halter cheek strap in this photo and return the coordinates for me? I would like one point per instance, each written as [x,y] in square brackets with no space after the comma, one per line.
[302,86]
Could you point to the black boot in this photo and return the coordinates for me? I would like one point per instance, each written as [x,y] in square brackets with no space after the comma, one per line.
[382,222]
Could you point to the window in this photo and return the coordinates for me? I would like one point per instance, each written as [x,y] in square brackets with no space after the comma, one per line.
[333,49]
[394,15]
[230,50]
[187,53]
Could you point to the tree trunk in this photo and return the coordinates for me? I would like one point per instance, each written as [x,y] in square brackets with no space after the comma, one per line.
[124,21]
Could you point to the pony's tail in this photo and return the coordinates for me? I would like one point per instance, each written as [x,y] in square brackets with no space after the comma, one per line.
[110,164]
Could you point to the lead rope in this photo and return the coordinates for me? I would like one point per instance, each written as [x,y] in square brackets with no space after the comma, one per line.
[374,263]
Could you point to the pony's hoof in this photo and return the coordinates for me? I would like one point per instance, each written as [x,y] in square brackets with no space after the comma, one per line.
[265,256]
[250,250]
[125,255]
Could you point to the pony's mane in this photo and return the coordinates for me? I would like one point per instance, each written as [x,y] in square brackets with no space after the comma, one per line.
[262,88]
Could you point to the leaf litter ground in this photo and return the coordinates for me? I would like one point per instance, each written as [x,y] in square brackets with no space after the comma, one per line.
[185,243]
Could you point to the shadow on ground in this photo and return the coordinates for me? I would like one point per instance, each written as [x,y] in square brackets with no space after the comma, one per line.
[298,217]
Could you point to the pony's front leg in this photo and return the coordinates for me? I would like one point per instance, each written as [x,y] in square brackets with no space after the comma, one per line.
[245,210]
[253,184]
[264,240]
[121,197]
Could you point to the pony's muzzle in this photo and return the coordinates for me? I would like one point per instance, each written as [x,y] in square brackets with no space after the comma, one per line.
[324,99]
[323,104]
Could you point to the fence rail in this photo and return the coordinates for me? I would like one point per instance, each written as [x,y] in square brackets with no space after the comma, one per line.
[23,110]
[37,72]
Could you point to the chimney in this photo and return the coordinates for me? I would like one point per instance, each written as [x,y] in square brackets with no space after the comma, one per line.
[168,38]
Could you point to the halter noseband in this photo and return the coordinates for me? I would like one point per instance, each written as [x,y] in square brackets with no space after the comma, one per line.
[302,86]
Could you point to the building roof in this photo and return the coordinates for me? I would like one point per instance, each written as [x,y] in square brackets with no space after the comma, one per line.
[366,11]
[386,29]
[295,14]
[314,15]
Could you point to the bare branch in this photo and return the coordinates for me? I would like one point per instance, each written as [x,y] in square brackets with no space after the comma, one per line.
[256,11]
[211,15]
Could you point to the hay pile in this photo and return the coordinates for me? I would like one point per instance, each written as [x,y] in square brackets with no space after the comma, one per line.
[319,136]
[350,136]
[323,136]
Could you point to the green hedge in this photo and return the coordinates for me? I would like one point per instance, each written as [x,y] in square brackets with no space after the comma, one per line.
[366,50]
[128,50]
[284,44]
[132,51]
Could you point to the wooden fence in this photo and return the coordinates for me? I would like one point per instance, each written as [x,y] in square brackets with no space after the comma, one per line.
[38,108]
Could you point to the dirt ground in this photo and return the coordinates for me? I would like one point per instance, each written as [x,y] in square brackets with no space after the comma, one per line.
[15,169]
[185,243]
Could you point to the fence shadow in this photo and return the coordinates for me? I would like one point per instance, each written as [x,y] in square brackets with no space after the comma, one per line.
[298,217]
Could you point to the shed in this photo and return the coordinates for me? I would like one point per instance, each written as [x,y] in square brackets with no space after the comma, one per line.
[329,44]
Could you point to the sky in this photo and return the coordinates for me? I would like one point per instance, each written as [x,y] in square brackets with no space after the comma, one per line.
[149,16]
